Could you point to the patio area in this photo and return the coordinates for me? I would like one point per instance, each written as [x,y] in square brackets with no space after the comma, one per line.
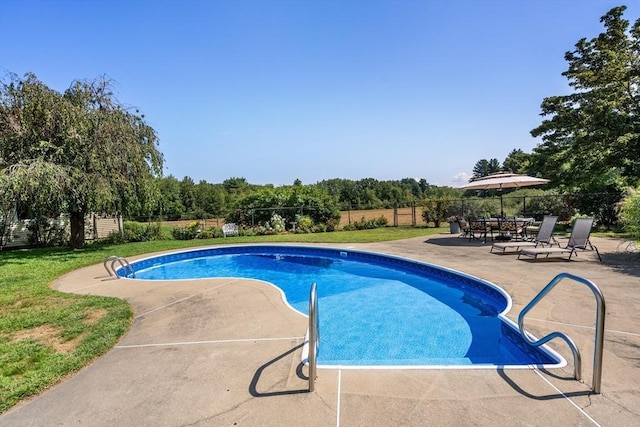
[227,352]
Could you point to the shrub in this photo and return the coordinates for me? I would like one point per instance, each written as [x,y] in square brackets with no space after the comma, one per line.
[320,228]
[46,232]
[114,237]
[138,232]
[367,224]
[630,213]
[276,224]
[435,209]
[188,232]
[348,227]
[135,232]
[210,233]
[248,232]
[304,224]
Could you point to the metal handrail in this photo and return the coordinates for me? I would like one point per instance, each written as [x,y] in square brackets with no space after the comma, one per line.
[123,263]
[599,334]
[313,336]
[109,258]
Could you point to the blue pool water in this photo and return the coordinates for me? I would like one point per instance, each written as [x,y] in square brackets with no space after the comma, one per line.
[374,310]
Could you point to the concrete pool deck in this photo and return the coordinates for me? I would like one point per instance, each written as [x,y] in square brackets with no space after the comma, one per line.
[227,352]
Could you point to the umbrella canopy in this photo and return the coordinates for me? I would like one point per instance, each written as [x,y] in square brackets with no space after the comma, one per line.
[503,180]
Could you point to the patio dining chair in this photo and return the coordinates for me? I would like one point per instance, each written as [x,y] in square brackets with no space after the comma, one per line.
[511,229]
[478,228]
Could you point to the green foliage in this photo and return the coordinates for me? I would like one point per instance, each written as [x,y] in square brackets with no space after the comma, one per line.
[370,193]
[539,203]
[135,232]
[258,208]
[481,208]
[46,232]
[304,224]
[210,233]
[244,203]
[630,213]
[188,232]
[595,131]
[603,207]
[169,201]
[75,152]
[486,167]
[517,161]
[367,224]
[436,210]
[276,223]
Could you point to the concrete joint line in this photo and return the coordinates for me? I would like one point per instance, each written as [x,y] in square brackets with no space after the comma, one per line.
[613,331]
[182,299]
[244,340]
[567,398]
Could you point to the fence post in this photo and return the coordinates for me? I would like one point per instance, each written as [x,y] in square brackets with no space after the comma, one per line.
[413,213]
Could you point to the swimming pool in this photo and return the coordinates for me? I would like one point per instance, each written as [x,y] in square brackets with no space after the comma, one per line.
[375,310]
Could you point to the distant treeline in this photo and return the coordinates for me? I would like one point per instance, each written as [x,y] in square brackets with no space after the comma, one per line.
[186,199]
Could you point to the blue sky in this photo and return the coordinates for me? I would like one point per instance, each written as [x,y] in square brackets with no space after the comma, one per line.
[274,91]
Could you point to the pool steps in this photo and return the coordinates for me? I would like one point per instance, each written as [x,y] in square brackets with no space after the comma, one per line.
[124,264]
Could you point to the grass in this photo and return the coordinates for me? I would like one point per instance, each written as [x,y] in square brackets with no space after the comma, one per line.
[46,335]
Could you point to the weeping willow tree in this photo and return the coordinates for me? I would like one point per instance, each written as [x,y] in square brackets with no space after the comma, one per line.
[76,152]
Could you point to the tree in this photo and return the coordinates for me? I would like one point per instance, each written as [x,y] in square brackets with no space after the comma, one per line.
[596,129]
[210,198]
[517,161]
[188,194]
[76,152]
[486,167]
[169,203]
[288,202]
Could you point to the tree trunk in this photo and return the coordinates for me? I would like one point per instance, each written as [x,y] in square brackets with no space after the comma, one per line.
[76,220]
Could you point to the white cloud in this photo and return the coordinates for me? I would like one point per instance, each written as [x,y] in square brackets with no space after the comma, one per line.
[461,178]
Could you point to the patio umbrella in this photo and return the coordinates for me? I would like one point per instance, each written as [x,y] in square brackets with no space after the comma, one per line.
[502,180]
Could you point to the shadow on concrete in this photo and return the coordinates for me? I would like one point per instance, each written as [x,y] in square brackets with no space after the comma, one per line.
[457,241]
[253,387]
[524,393]
[623,262]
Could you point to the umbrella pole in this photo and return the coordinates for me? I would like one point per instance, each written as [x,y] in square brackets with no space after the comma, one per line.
[501,208]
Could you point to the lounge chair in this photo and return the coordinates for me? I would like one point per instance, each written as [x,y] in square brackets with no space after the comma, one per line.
[543,237]
[579,239]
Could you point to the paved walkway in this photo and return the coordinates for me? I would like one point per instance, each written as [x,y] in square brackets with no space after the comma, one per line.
[227,352]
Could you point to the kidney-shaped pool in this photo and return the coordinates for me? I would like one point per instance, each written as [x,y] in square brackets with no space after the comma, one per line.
[375,310]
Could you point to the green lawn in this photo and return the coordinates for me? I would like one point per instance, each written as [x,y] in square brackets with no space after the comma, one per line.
[45,335]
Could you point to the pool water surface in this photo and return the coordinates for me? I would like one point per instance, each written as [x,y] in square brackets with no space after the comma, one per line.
[374,310]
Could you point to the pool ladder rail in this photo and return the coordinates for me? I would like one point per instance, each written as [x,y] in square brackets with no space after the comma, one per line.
[124,264]
[599,333]
[314,337]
